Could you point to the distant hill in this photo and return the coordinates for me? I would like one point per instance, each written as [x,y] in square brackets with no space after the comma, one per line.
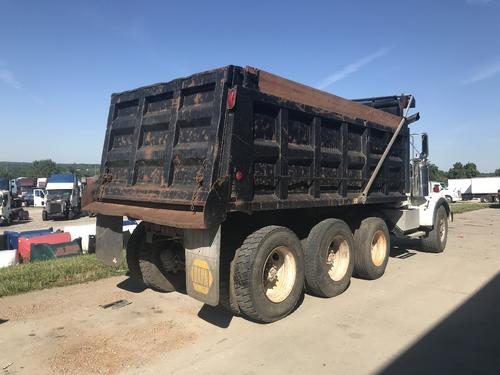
[13,169]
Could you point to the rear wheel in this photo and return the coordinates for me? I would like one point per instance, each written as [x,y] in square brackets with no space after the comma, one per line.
[133,247]
[162,265]
[227,294]
[158,264]
[269,274]
[435,242]
[329,259]
[45,216]
[372,247]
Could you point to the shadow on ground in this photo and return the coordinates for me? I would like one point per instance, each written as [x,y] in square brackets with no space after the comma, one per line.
[466,342]
[218,315]
[131,285]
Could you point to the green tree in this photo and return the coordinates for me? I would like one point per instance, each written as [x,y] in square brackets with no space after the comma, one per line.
[43,168]
[435,174]
[457,171]
[471,170]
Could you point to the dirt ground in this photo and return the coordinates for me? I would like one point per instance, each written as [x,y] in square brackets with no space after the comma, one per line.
[36,222]
[430,313]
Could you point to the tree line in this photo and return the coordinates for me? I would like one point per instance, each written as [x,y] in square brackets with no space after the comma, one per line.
[45,168]
[459,170]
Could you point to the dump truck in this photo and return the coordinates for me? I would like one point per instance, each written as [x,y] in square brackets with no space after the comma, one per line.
[252,189]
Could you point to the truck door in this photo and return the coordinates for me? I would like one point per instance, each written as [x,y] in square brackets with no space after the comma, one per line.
[38,198]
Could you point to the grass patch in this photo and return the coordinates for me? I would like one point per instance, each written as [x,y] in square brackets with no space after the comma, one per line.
[458,208]
[27,277]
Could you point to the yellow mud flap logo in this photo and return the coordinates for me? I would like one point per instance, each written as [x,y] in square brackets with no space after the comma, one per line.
[201,277]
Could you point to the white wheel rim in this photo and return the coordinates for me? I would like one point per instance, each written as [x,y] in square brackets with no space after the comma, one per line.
[379,248]
[337,258]
[279,274]
[442,230]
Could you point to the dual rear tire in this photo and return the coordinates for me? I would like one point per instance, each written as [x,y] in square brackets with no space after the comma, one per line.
[269,274]
[271,265]
[372,244]
[153,263]
[271,268]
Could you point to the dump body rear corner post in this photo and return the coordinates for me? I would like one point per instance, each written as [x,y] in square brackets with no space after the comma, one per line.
[202,249]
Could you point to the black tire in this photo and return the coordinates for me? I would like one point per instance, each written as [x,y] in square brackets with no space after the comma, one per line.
[132,253]
[45,215]
[372,232]
[435,242]
[227,294]
[153,272]
[272,244]
[319,245]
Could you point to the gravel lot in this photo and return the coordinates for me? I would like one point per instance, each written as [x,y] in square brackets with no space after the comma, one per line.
[430,313]
[36,222]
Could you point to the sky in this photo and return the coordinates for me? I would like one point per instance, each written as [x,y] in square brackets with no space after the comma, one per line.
[61,60]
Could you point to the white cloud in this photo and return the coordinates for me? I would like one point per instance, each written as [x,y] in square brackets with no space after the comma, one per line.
[484,73]
[8,77]
[351,68]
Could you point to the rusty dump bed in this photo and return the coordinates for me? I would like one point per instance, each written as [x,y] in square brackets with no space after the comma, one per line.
[186,152]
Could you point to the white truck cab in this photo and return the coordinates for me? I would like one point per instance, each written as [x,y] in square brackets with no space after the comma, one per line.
[39,198]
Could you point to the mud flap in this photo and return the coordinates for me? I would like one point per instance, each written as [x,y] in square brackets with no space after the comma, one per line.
[109,239]
[202,263]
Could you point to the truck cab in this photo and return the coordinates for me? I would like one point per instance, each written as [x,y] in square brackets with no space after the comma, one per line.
[62,197]
[39,198]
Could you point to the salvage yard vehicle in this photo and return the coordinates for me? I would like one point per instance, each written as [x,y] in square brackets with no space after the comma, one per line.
[62,196]
[39,197]
[10,208]
[252,188]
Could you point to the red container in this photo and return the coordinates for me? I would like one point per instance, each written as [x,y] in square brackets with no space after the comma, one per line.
[24,244]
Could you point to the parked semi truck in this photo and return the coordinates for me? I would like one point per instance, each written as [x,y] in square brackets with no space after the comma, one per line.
[62,197]
[483,188]
[252,188]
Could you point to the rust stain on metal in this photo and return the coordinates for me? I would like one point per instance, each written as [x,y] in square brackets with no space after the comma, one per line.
[161,216]
[278,86]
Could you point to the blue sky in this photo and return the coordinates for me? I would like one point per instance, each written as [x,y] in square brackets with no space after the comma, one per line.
[61,60]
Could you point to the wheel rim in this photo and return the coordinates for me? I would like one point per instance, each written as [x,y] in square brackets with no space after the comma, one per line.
[379,248]
[279,274]
[337,258]
[442,229]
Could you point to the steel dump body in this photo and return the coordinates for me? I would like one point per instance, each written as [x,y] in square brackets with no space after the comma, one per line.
[175,154]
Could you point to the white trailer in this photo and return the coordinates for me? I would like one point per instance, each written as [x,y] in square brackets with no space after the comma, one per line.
[484,188]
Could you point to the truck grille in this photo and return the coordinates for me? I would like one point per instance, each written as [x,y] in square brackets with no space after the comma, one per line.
[55,208]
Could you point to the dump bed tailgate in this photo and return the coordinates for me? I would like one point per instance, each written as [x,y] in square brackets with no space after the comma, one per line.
[162,141]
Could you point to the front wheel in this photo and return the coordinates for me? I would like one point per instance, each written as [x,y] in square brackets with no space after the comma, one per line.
[435,242]
[269,274]
[45,216]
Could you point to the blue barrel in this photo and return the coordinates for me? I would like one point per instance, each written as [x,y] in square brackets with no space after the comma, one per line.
[11,237]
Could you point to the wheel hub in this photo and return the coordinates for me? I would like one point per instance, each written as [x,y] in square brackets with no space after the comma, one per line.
[379,248]
[337,258]
[279,273]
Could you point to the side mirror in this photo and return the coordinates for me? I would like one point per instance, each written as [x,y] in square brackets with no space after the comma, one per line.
[425,146]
